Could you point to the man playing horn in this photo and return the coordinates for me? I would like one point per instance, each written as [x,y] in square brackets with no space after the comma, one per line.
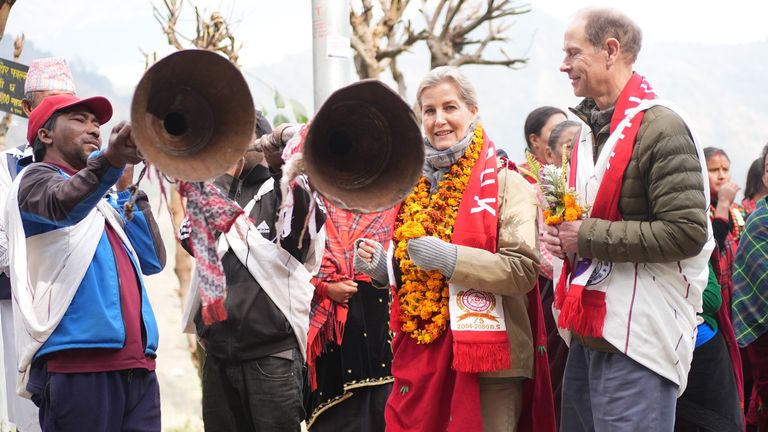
[635,269]
[254,372]
[86,334]
[45,77]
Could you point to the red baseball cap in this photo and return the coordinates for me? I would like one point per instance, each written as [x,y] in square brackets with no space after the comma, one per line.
[98,105]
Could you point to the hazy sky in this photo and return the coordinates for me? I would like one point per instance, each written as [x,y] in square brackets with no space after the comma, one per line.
[108,35]
[706,21]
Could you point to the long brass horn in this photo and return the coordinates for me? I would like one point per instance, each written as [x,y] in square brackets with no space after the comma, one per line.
[193,115]
[364,150]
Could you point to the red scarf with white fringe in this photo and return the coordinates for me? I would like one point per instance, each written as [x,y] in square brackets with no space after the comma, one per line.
[583,310]
[476,226]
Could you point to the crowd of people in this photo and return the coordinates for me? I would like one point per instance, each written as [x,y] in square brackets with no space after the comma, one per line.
[461,308]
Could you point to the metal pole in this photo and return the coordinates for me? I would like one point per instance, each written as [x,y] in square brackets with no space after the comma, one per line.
[331,51]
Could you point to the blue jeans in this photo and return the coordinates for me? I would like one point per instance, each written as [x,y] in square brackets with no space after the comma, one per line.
[611,392]
[264,394]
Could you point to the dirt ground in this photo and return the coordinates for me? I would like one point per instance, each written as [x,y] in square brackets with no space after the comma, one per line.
[180,390]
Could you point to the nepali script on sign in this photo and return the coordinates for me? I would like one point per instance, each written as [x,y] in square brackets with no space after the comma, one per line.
[12,77]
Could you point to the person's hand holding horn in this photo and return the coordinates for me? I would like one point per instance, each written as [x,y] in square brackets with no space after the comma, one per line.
[273,144]
[122,150]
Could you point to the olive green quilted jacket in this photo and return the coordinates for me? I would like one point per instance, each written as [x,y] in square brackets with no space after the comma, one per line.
[662,195]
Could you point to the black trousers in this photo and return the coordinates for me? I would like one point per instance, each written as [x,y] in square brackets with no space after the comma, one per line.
[260,395]
[710,401]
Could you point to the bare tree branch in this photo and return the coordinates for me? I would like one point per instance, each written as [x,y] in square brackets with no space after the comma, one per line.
[494,11]
[435,16]
[376,43]
[463,60]
[213,34]
[368,11]
[363,43]
[456,32]
[149,58]
[450,16]
[398,76]
[450,45]
[168,23]
[18,46]
[395,48]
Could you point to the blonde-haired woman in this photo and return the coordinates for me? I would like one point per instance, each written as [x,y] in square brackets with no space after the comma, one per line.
[464,261]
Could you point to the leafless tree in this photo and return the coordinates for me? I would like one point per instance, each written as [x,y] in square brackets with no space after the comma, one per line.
[213,34]
[457,32]
[377,43]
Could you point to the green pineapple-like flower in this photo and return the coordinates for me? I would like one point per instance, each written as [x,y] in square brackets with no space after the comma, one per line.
[534,167]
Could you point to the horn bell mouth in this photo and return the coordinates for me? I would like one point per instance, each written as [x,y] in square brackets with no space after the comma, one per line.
[363,150]
[193,115]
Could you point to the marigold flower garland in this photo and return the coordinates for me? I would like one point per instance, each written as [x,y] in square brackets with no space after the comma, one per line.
[424,295]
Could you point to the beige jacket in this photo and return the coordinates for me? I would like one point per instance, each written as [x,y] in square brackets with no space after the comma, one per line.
[512,271]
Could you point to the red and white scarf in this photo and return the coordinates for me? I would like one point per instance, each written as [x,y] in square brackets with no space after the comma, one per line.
[209,211]
[579,296]
[480,342]
[427,393]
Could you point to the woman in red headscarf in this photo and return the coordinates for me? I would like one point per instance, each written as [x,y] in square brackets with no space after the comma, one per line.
[728,221]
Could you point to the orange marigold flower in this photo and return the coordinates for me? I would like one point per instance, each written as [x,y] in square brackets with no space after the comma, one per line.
[439,320]
[571,214]
[553,220]
[409,326]
[425,338]
[434,284]
[569,200]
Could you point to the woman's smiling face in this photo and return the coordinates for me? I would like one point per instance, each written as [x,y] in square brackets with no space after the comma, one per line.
[445,117]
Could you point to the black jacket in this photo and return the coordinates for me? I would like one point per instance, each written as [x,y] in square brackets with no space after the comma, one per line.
[254,327]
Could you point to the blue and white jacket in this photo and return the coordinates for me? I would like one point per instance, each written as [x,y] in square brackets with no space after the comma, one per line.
[51,199]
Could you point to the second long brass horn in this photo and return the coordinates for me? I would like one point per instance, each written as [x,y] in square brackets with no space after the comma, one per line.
[364,150]
[193,115]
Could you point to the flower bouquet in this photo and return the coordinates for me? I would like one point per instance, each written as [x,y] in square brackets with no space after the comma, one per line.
[560,201]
